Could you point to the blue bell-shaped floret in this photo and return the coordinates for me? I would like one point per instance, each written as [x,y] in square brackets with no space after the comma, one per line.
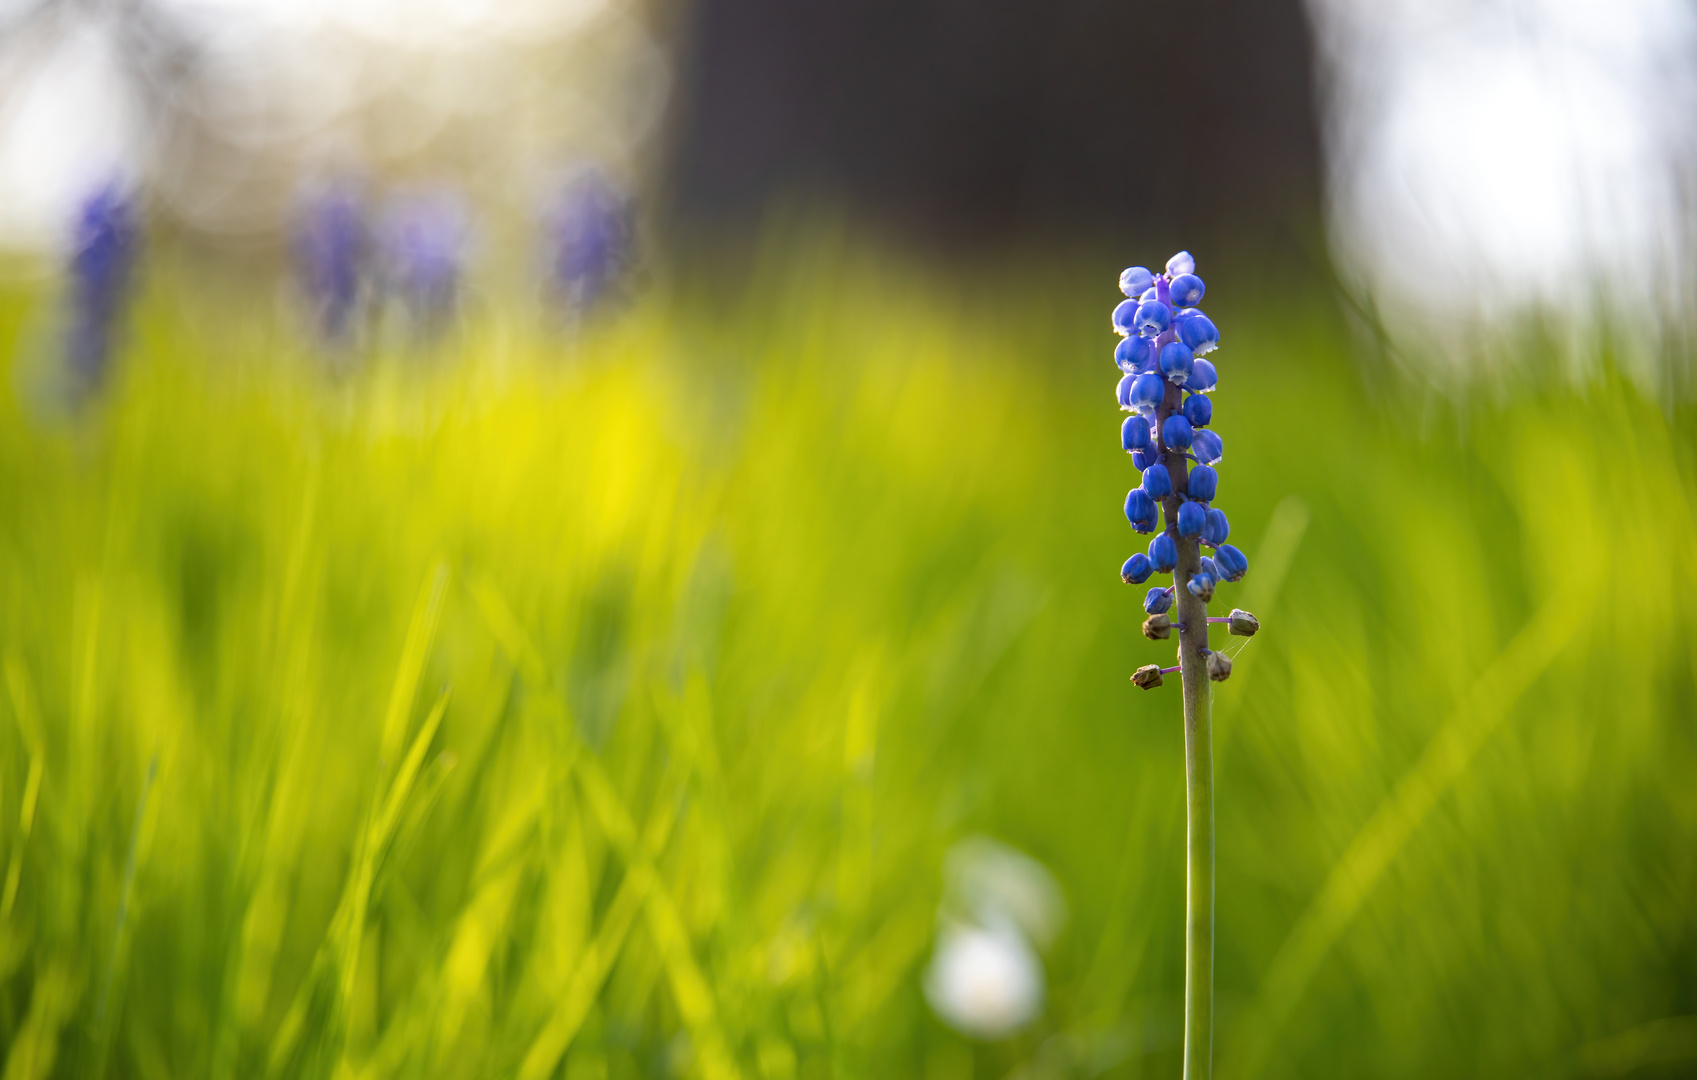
[1135,280]
[1163,553]
[1157,482]
[1201,585]
[1136,569]
[1186,290]
[1198,408]
[1182,263]
[1134,434]
[1148,391]
[1141,510]
[1190,519]
[1176,432]
[1134,354]
[1142,459]
[1160,599]
[1176,362]
[1216,528]
[1203,378]
[1197,330]
[1125,317]
[1152,318]
[1231,562]
[1207,446]
[1202,483]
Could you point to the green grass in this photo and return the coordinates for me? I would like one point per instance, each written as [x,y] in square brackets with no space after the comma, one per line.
[605,709]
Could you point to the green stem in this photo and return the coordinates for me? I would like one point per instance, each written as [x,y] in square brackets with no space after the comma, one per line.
[1199,788]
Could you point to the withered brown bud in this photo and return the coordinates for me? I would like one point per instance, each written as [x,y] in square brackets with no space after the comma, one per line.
[1148,676]
[1242,623]
[1219,666]
[1157,627]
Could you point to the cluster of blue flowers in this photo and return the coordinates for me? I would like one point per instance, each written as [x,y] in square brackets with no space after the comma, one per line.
[1164,385]
[104,239]
[416,251]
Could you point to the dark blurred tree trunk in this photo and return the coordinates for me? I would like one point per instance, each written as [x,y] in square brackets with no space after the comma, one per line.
[974,120]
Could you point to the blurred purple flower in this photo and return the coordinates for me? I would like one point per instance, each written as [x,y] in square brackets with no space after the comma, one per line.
[104,239]
[331,250]
[588,230]
[424,238]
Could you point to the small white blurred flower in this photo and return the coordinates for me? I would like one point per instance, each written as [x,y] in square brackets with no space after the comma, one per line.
[985,983]
[986,979]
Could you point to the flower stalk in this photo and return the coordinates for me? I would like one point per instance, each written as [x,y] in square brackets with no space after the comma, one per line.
[1164,337]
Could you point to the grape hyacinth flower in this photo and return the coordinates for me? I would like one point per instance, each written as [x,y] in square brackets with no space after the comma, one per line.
[1172,440]
[423,238]
[331,248]
[589,234]
[104,239]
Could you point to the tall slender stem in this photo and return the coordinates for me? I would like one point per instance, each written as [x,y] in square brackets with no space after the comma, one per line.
[1199,785]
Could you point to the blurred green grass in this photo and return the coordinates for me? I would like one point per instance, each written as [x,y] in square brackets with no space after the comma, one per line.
[605,707]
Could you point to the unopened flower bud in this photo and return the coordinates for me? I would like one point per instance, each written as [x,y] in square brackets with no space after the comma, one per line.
[1203,482]
[1136,569]
[1219,666]
[1135,280]
[1182,263]
[1242,623]
[1209,568]
[1186,290]
[1157,482]
[1157,627]
[1176,362]
[1233,563]
[1163,553]
[1148,676]
[1160,599]
[1190,519]
[1201,585]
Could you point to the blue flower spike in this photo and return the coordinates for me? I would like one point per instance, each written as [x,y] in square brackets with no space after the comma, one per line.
[1202,483]
[1136,280]
[1172,439]
[1163,553]
[1176,362]
[1176,432]
[1186,290]
[1136,569]
[1141,510]
[1191,518]
[1198,410]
